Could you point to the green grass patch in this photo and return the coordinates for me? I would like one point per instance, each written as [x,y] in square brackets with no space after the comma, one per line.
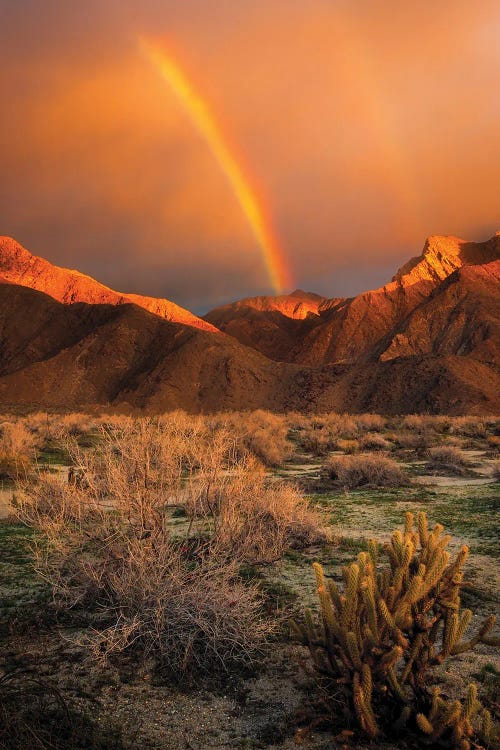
[14,543]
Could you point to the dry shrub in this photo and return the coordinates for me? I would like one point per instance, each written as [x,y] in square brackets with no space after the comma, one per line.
[427,423]
[347,446]
[320,434]
[494,442]
[495,471]
[447,458]
[254,520]
[76,424]
[261,433]
[317,441]
[189,615]
[41,424]
[413,440]
[115,421]
[416,422]
[372,441]
[365,470]
[52,430]
[370,422]
[473,427]
[17,450]
[107,546]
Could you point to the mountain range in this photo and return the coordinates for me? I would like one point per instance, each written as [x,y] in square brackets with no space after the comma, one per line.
[425,342]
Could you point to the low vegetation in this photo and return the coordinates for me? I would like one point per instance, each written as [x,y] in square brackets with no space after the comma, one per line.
[175,548]
[378,639]
[365,470]
[447,458]
[107,544]
[17,450]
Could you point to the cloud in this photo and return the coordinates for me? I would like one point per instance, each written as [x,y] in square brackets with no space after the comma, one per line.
[366,126]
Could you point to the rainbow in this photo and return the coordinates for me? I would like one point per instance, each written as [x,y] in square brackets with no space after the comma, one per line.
[246,194]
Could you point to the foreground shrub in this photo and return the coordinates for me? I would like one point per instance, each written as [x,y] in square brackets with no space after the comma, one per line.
[252,519]
[106,548]
[365,470]
[378,639]
[447,458]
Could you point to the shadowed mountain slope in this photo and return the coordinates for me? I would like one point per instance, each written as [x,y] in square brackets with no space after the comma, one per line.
[74,355]
[425,342]
[272,325]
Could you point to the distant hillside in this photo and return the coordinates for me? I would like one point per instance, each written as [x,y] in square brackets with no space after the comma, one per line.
[425,342]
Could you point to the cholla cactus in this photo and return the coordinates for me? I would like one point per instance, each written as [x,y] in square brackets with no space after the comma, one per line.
[456,718]
[388,626]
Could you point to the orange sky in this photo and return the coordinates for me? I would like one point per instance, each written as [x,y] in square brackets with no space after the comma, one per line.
[363,126]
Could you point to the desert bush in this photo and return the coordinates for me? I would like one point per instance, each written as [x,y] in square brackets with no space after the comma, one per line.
[365,470]
[494,443]
[416,441]
[378,640]
[473,427]
[427,423]
[188,611]
[370,422]
[416,422]
[17,450]
[265,435]
[261,433]
[141,590]
[347,446]
[115,421]
[77,424]
[41,424]
[107,548]
[317,441]
[56,427]
[254,520]
[372,441]
[447,458]
[321,433]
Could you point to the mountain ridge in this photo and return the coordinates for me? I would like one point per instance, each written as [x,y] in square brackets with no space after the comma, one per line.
[19,266]
[426,341]
[345,329]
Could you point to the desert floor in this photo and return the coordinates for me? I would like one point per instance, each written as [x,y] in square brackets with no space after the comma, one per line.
[124,704]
